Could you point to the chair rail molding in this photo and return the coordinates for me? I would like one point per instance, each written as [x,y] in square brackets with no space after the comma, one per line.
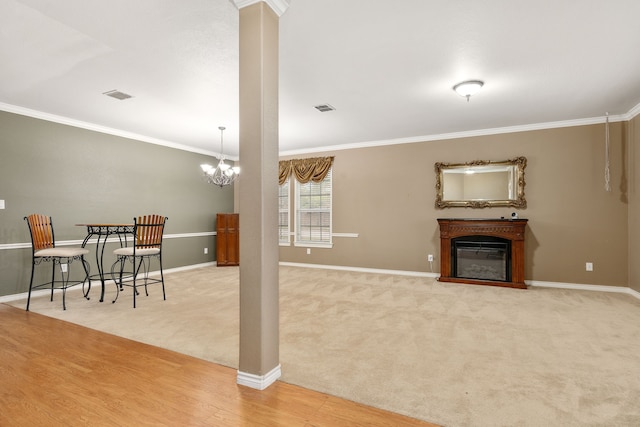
[25,245]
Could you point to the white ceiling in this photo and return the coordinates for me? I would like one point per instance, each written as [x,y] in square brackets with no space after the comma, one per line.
[386,66]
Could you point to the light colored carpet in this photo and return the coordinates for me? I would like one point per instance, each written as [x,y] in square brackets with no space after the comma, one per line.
[457,355]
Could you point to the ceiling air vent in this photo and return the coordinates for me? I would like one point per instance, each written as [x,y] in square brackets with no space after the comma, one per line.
[117,95]
[324,108]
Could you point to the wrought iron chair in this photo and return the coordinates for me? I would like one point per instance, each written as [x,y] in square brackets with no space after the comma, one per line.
[43,249]
[147,243]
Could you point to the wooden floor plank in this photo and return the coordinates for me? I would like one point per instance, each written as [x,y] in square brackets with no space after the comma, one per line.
[57,373]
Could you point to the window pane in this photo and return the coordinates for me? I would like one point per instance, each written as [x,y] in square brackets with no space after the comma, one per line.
[283,214]
[313,211]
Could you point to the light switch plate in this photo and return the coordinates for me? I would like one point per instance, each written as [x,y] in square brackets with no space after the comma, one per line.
[1,204]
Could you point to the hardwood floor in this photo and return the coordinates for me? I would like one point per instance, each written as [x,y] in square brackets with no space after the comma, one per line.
[57,373]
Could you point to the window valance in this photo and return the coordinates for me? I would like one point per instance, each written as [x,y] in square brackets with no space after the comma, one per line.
[305,170]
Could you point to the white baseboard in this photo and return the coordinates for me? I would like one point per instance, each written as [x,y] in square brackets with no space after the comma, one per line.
[582,287]
[15,297]
[259,382]
[361,269]
[576,286]
[186,267]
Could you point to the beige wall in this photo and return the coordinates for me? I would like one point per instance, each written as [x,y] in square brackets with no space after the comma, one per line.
[572,219]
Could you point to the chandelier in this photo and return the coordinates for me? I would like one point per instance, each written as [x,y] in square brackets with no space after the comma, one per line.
[223,174]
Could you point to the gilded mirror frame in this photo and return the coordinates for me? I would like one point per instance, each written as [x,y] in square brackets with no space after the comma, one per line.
[519,201]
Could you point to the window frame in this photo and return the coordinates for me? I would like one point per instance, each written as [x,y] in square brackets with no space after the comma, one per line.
[281,241]
[297,214]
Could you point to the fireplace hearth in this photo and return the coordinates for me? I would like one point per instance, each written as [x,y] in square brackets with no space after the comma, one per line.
[482,251]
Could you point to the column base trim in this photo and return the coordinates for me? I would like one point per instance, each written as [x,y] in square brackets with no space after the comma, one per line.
[259,382]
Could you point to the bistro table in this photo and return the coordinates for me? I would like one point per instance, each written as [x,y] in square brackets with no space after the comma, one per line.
[102,232]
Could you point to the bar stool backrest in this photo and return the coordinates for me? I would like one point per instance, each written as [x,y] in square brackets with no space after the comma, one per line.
[149,229]
[41,229]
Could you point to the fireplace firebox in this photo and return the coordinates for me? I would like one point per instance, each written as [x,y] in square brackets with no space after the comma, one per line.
[481,257]
[482,251]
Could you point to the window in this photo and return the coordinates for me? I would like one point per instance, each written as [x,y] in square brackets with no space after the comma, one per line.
[313,212]
[283,213]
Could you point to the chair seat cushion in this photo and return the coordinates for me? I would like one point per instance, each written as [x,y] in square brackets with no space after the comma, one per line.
[128,251]
[61,252]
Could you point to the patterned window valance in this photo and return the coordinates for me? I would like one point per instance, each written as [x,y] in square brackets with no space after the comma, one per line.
[305,170]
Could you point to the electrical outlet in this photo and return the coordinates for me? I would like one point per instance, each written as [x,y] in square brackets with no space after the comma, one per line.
[63,268]
[308,251]
[206,251]
[429,257]
[589,266]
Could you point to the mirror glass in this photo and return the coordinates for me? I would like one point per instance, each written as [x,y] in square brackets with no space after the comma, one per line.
[481,184]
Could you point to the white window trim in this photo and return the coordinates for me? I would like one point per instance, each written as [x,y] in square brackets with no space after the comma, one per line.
[313,245]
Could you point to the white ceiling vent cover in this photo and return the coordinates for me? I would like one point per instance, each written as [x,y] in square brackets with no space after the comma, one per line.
[324,108]
[117,95]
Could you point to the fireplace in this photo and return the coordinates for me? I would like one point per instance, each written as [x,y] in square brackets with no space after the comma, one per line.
[482,251]
[481,257]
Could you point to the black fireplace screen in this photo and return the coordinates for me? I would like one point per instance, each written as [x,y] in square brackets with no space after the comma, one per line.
[481,258]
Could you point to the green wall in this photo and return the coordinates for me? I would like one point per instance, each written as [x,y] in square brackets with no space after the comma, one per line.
[77,176]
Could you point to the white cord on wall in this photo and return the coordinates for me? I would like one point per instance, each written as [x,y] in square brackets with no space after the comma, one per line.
[607,173]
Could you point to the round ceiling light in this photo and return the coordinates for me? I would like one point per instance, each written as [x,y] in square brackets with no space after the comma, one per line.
[468,88]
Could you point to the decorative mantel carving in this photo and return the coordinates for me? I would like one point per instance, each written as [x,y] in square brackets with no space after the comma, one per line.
[512,230]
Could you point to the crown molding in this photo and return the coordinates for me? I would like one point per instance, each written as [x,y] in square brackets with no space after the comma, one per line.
[633,112]
[104,129]
[366,144]
[465,134]
[278,6]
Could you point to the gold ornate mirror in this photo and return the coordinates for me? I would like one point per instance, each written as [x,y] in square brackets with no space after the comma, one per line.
[481,184]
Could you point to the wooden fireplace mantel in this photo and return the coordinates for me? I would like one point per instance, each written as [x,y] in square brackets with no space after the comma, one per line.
[509,229]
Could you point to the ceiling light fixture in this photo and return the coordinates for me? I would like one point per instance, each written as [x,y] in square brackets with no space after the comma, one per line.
[223,174]
[468,88]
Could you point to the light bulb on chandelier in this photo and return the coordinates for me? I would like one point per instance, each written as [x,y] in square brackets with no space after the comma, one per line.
[223,174]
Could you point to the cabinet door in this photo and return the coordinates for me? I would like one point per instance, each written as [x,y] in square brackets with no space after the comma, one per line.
[233,240]
[228,239]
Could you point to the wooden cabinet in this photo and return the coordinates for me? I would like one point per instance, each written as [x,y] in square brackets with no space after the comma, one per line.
[228,239]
